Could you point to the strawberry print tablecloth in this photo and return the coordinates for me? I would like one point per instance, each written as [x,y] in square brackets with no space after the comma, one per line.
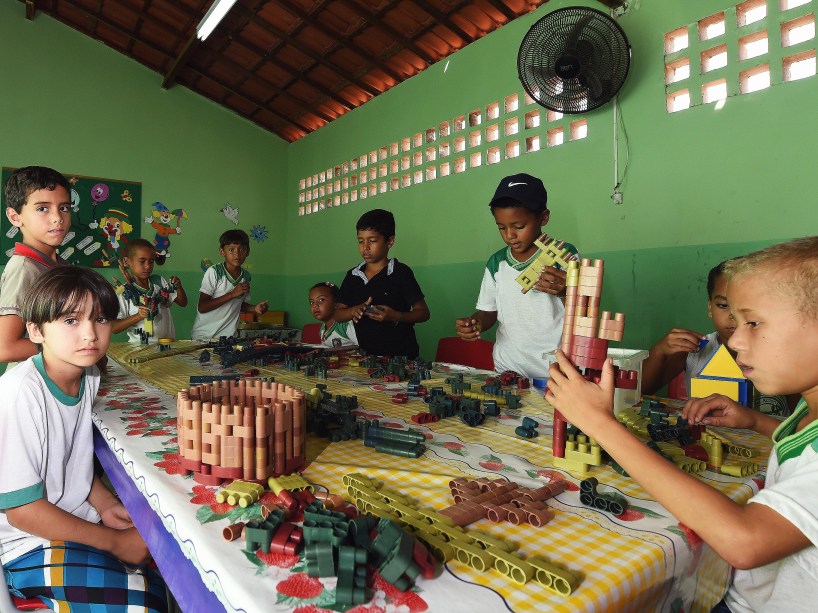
[643,560]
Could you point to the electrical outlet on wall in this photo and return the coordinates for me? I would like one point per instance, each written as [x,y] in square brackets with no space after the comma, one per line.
[617,197]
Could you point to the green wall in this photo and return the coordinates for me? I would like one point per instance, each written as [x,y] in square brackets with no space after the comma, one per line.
[702,184]
[71,103]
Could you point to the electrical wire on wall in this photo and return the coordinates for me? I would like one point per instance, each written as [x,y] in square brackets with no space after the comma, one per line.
[619,128]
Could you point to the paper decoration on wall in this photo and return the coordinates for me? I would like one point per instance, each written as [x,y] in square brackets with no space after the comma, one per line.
[75,200]
[94,239]
[115,225]
[205,264]
[162,220]
[99,194]
[258,233]
[230,212]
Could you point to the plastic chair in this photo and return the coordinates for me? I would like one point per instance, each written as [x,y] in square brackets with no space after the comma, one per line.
[311,334]
[455,350]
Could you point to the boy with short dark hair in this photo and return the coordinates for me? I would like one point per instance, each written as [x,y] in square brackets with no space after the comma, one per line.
[385,296]
[771,541]
[530,324]
[38,204]
[147,296]
[52,544]
[225,290]
[680,350]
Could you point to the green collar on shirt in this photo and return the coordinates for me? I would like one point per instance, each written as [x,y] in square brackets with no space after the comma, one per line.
[60,395]
[221,271]
[515,263]
[789,443]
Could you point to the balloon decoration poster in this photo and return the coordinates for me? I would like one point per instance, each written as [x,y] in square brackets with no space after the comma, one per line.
[105,215]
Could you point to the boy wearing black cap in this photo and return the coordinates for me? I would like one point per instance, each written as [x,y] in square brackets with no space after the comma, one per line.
[530,324]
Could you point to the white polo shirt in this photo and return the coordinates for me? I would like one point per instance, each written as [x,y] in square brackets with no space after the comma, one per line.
[529,325]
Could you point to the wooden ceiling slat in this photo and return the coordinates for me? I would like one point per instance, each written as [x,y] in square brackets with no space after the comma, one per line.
[504,9]
[112,25]
[290,66]
[340,39]
[294,74]
[244,97]
[180,61]
[237,68]
[312,55]
[443,19]
[403,40]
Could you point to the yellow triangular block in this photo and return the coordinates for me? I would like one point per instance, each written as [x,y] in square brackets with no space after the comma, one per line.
[722,364]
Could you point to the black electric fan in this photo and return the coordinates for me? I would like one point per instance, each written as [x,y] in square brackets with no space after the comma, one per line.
[574,59]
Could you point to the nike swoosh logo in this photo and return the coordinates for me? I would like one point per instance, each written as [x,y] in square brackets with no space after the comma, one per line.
[513,184]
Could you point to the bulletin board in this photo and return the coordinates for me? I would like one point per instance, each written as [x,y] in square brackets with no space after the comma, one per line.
[105,215]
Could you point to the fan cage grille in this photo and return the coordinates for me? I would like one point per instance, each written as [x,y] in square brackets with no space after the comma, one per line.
[574,60]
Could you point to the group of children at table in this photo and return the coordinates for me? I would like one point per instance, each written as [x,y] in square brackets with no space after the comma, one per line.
[56,514]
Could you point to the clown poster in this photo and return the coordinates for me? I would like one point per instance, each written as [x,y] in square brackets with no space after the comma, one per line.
[105,215]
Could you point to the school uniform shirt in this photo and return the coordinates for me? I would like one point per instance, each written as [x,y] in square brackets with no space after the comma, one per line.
[46,448]
[162,322]
[769,405]
[22,269]
[394,286]
[223,321]
[339,334]
[790,584]
[528,325]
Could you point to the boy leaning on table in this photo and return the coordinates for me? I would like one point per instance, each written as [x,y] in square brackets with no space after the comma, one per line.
[771,541]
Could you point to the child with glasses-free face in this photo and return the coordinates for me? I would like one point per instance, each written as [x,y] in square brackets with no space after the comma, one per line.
[771,540]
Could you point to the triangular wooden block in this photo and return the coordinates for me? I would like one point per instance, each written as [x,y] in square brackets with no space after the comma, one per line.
[722,364]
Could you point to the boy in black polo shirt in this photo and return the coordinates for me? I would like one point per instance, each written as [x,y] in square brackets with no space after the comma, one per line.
[386,299]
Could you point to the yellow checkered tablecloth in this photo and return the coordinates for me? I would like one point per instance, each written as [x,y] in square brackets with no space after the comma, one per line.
[640,561]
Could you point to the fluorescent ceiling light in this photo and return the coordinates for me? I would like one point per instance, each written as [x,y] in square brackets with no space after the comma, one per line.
[216,13]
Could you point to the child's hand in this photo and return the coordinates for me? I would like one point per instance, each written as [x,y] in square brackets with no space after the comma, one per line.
[679,340]
[241,289]
[360,309]
[176,282]
[589,406]
[718,410]
[467,328]
[117,517]
[383,313]
[143,312]
[129,547]
[261,308]
[552,281]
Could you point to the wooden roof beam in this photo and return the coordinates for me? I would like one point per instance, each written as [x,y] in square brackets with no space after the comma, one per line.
[339,39]
[255,103]
[180,62]
[294,74]
[114,26]
[311,54]
[280,92]
[444,20]
[375,18]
